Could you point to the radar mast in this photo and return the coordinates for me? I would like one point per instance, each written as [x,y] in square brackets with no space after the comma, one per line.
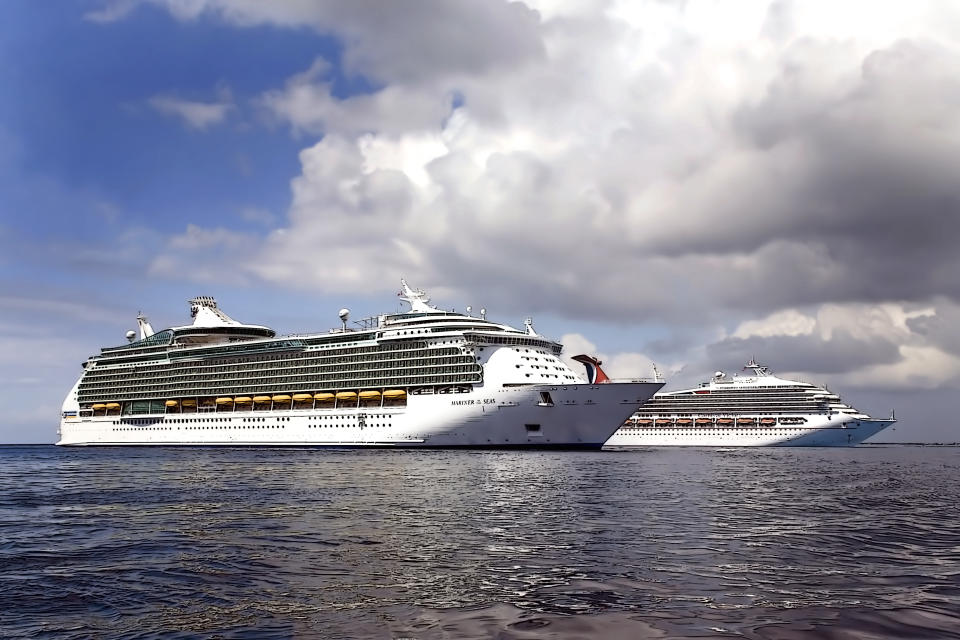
[758,369]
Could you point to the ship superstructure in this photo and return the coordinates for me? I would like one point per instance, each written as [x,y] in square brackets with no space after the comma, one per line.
[424,377]
[757,409]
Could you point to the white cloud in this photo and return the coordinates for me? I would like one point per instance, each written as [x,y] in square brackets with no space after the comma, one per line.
[788,322]
[258,215]
[619,145]
[111,11]
[196,115]
[921,367]
[890,346]
[199,255]
[743,168]
[617,365]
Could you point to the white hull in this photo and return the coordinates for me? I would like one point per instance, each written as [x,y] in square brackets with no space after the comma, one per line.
[818,431]
[580,416]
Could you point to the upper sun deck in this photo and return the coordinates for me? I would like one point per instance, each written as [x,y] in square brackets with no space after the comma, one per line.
[423,318]
[214,329]
[762,377]
[761,386]
[211,326]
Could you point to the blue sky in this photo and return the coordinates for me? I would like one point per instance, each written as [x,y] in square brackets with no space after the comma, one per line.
[77,115]
[687,183]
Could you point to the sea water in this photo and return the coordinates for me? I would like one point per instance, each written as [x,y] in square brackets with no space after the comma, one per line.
[290,543]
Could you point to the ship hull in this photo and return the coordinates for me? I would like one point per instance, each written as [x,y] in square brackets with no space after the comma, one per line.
[819,431]
[576,416]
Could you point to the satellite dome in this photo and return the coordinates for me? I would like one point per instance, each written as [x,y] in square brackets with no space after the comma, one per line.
[344,314]
[719,374]
[131,335]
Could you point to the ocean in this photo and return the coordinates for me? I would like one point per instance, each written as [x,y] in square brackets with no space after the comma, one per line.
[287,543]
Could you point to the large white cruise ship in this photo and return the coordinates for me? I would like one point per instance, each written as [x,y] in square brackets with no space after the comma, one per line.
[423,378]
[756,410]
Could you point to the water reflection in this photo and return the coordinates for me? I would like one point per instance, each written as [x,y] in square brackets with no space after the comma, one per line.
[434,544]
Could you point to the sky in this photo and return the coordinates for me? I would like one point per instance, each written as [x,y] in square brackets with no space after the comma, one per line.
[690,183]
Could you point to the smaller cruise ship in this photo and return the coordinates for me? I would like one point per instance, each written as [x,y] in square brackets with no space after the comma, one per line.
[754,410]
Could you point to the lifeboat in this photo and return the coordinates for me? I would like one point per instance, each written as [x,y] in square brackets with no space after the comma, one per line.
[282,397]
[664,422]
[323,397]
[189,403]
[98,407]
[112,405]
[243,400]
[684,422]
[171,403]
[394,393]
[298,397]
[261,399]
[767,422]
[346,395]
[370,398]
[704,422]
[644,422]
[224,401]
[746,422]
[724,422]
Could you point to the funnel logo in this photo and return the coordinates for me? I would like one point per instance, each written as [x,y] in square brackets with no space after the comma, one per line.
[595,374]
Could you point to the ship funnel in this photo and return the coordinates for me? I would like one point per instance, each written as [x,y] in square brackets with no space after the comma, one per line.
[595,374]
[144,324]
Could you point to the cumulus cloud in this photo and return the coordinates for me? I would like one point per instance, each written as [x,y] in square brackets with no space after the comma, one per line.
[755,166]
[856,346]
[388,42]
[617,365]
[741,170]
[788,322]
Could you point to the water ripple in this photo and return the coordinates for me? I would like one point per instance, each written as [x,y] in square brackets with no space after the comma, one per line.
[238,543]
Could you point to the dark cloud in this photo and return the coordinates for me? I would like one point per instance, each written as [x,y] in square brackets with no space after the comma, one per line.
[396,42]
[877,192]
[840,353]
[940,329]
[922,415]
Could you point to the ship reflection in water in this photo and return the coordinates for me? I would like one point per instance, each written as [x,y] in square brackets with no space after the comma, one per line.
[756,543]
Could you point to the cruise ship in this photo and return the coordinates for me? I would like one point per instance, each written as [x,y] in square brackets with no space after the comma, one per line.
[420,378]
[754,410]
